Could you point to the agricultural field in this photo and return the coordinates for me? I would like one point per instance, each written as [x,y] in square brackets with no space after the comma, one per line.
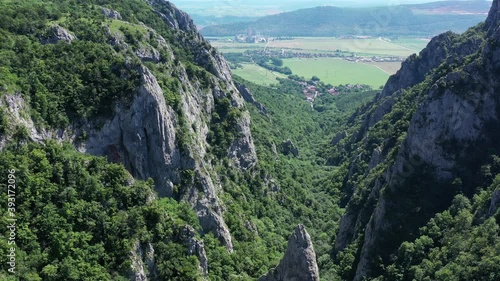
[225,46]
[257,74]
[330,70]
[414,44]
[371,46]
[388,67]
[337,71]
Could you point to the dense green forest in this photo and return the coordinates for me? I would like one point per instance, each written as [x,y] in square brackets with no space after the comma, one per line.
[83,217]
[78,218]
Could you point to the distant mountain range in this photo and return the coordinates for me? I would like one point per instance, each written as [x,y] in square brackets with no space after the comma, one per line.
[203,21]
[418,19]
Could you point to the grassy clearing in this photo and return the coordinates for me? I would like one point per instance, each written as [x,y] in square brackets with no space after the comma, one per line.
[257,74]
[337,71]
[115,26]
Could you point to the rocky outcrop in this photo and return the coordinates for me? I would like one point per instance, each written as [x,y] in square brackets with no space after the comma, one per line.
[18,117]
[338,137]
[413,70]
[111,14]
[271,184]
[142,137]
[495,203]
[445,48]
[493,17]
[147,53]
[299,262]
[143,267]
[288,147]
[248,97]
[55,34]
[242,151]
[195,247]
[205,55]
[174,17]
[145,136]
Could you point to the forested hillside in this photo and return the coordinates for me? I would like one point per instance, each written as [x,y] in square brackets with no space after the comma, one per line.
[419,165]
[394,20]
[136,155]
[174,190]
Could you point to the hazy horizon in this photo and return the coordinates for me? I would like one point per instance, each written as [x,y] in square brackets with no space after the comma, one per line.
[267,7]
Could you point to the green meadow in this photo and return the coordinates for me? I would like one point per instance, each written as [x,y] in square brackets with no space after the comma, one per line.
[257,74]
[337,71]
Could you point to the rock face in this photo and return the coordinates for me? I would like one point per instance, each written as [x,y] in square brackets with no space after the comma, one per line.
[143,266]
[56,34]
[495,203]
[174,17]
[111,14]
[248,97]
[142,137]
[195,247]
[493,17]
[146,134]
[456,113]
[299,262]
[337,138]
[242,151]
[288,147]
[147,53]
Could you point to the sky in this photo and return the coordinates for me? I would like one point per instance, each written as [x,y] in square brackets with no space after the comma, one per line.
[267,7]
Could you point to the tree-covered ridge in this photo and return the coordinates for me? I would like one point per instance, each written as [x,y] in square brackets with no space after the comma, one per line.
[79,217]
[410,152]
[79,80]
[394,20]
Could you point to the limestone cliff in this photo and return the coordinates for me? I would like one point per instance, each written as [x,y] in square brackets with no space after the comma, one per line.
[299,262]
[152,137]
[452,113]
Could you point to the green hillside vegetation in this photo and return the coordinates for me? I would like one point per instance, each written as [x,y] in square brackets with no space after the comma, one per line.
[305,192]
[448,240]
[78,218]
[461,243]
[82,80]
